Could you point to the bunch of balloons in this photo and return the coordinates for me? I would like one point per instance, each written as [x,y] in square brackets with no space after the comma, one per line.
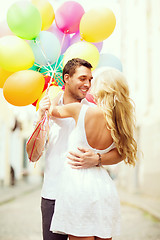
[36,42]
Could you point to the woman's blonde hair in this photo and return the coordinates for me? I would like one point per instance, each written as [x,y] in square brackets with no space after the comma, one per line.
[111,93]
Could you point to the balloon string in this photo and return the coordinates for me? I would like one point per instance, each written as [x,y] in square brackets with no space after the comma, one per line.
[56,67]
[41,122]
[60,49]
[53,73]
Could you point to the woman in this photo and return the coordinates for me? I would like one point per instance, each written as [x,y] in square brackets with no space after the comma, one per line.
[88,205]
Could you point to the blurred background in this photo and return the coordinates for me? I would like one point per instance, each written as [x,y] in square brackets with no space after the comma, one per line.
[135,43]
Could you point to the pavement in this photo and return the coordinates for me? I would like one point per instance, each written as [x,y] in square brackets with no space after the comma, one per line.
[10,193]
[146,203]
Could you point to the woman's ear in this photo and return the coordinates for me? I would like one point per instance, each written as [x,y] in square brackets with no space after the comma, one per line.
[66,77]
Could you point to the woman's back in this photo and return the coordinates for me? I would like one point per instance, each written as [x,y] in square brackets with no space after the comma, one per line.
[91,130]
[97,133]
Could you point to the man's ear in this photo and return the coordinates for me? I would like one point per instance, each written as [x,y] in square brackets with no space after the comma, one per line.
[66,78]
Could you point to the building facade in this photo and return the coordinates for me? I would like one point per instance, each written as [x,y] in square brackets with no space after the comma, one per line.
[140,54]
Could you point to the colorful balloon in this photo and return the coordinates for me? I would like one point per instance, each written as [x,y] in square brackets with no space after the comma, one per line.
[53,91]
[77,38]
[3,76]
[15,54]
[23,88]
[46,48]
[97,24]
[46,12]
[83,50]
[47,81]
[90,98]
[64,39]
[109,60]
[24,20]
[68,17]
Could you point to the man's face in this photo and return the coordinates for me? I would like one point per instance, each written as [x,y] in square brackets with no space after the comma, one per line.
[79,84]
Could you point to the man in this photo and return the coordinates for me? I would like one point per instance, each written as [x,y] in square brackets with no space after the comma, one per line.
[77,78]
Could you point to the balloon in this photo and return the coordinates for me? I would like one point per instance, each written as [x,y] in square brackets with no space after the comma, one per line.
[3,76]
[23,88]
[46,48]
[90,98]
[97,24]
[68,17]
[109,60]
[53,91]
[46,12]
[76,38]
[4,29]
[24,20]
[47,80]
[61,37]
[83,50]
[15,54]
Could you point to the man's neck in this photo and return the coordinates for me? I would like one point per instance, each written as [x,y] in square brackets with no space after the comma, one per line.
[69,99]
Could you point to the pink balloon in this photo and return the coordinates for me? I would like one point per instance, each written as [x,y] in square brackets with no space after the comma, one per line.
[60,35]
[4,29]
[68,16]
[76,38]
[90,98]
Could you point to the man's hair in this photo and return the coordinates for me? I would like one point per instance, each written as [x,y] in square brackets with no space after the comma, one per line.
[72,64]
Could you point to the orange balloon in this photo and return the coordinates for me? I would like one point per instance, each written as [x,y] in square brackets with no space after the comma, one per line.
[23,88]
[53,91]
[3,76]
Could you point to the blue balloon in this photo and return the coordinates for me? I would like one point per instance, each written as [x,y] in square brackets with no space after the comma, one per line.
[46,48]
[109,60]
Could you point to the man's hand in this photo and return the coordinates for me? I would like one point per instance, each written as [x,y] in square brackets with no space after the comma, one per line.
[44,106]
[86,158]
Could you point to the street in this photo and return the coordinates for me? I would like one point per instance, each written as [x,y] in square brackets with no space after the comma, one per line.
[20,219]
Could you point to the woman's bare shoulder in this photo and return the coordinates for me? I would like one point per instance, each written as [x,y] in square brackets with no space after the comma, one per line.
[96,112]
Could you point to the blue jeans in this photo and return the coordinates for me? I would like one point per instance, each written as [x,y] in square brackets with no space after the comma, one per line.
[47,209]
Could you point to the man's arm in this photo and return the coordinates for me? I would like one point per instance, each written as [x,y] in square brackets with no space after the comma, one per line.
[87,158]
[36,142]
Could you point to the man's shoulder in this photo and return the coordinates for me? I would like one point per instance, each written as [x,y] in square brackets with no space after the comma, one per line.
[90,104]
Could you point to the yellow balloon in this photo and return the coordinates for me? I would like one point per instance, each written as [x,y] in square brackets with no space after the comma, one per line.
[15,54]
[46,12]
[83,50]
[53,91]
[3,76]
[23,88]
[97,24]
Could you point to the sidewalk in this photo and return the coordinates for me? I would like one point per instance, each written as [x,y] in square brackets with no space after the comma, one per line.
[10,193]
[146,203]
[138,200]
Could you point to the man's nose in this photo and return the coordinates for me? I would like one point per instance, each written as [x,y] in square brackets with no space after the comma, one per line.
[87,83]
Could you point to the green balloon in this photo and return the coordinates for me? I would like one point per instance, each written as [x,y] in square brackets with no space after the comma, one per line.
[24,20]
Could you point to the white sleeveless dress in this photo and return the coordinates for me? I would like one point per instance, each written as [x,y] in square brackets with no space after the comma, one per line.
[87,203]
